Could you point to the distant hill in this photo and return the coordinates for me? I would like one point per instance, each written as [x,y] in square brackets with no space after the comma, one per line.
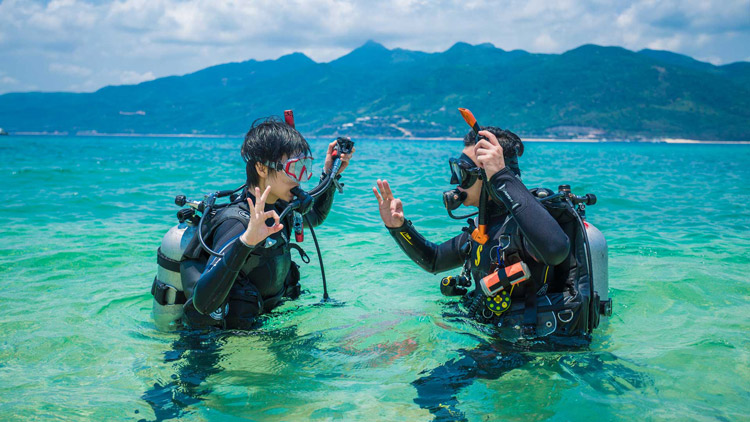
[588,91]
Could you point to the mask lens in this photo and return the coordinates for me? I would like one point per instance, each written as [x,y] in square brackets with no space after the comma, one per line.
[463,173]
[456,172]
[299,169]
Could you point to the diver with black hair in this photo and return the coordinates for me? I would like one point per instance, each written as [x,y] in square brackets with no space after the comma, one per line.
[238,265]
[536,268]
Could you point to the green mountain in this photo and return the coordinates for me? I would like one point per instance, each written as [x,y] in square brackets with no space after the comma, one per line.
[588,91]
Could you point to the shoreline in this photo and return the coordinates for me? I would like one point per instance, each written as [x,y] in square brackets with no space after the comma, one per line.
[389,138]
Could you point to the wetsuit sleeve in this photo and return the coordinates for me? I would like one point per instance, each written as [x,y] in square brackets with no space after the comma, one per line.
[322,206]
[217,279]
[543,237]
[431,257]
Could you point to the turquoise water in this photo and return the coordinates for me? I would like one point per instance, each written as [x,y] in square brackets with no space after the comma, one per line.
[83,218]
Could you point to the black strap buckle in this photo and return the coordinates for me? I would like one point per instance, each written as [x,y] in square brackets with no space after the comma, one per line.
[166,262]
[164,294]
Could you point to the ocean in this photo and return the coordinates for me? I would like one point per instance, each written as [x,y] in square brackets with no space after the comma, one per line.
[83,216]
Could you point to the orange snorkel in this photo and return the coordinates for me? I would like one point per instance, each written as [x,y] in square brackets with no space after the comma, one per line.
[480,233]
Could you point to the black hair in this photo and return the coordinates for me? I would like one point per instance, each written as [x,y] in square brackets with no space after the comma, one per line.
[511,143]
[268,140]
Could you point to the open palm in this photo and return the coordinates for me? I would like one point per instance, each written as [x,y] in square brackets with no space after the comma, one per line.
[391,209]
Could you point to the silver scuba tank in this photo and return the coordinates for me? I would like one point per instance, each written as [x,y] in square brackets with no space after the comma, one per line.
[173,246]
[599,260]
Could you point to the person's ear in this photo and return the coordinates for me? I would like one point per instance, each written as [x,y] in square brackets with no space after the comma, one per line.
[262,170]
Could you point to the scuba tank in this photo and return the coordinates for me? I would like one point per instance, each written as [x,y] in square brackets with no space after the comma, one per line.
[598,254]
[599,266]
[167,287]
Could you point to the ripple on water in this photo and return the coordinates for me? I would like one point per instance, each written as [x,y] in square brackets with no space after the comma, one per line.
[78,258]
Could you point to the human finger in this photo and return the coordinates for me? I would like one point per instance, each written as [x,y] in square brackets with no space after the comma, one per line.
[331,146]
[490,136]
[276,228]
[272,214]
[381,186]
[483,153]
[387,190]
[482,144]
[481,158]
[265,194]
[250,205]
[259,204]
[377,196]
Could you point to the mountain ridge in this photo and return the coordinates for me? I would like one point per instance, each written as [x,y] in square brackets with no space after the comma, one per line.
[590,91]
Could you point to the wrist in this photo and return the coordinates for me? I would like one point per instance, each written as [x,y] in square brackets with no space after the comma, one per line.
[248,241]
[503,171]
[494,170]
[398,226]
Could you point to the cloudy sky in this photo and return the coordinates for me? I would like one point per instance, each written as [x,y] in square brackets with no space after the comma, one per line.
[82,45]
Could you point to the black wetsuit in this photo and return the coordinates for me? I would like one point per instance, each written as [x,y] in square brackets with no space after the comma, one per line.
[247,281]
[532,233]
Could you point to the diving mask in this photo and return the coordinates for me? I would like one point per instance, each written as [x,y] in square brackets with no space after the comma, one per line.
[464,172]
[298,168]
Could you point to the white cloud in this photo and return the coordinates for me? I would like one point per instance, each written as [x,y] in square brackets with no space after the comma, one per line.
[545,43]
[669,43]
[69,69]
[128,41]
[7,80]
[132,77]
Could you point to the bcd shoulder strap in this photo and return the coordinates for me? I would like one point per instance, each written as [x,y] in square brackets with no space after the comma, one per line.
[211,223]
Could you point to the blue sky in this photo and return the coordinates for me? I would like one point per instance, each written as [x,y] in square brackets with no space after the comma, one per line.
[82,45]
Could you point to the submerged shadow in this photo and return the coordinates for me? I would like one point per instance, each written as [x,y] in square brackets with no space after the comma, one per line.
[195,356]
[438,389]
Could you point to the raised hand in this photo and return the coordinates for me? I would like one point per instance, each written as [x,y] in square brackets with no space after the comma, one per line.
[257,230]
[344,158]
[489,154]
[391,209]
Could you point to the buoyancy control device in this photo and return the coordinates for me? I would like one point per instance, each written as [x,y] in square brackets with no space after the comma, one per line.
[574,311]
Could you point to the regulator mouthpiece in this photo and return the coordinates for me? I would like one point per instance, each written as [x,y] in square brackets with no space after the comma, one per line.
[452,199]
[304,200]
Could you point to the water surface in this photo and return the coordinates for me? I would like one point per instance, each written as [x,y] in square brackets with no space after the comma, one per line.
[83,218]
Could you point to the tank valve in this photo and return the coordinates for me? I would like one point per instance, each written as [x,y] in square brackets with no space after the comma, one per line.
[185,214]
